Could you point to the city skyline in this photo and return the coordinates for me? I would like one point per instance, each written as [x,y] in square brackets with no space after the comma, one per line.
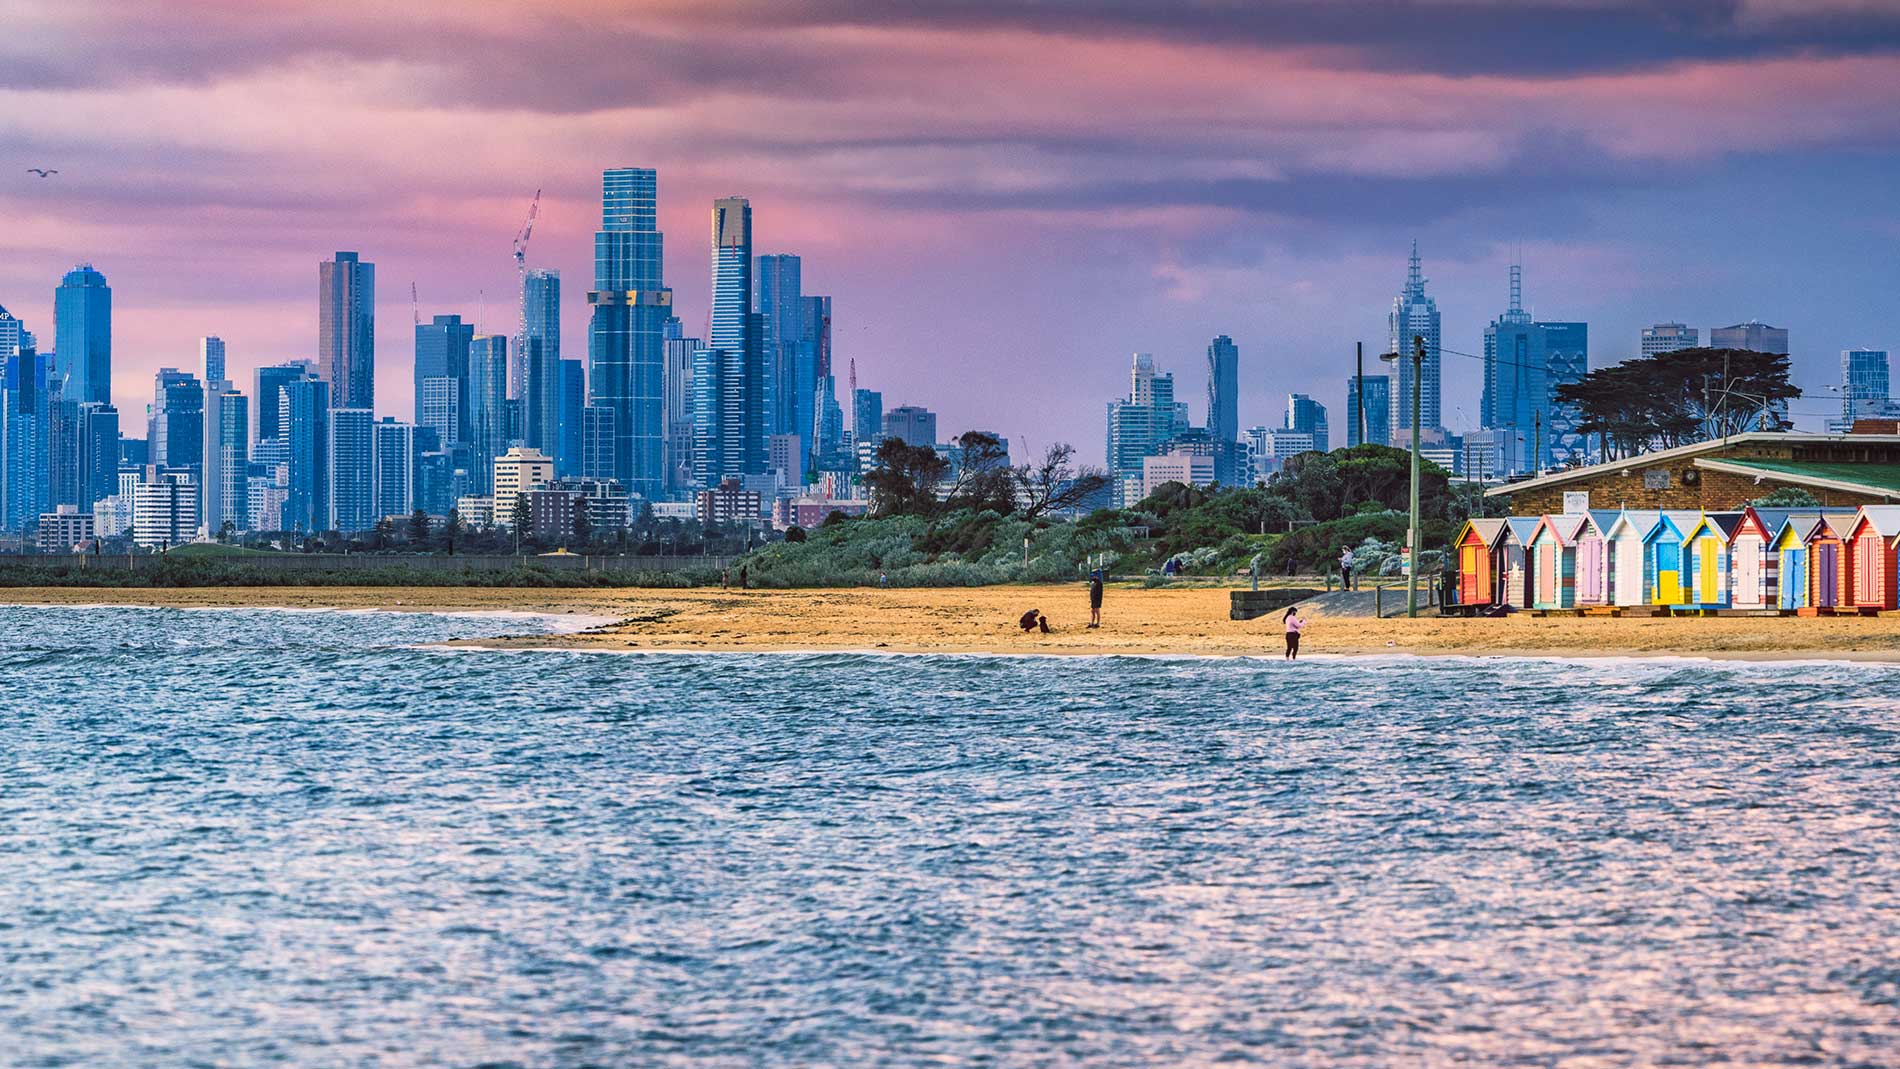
[1275,214]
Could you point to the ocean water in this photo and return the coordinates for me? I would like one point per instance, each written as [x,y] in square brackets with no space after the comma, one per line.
[265,838]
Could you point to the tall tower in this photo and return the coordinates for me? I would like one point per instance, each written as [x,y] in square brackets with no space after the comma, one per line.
[82,335]
[1414,315]
[729,374]
[1223,390]
[626,334]
[346,330]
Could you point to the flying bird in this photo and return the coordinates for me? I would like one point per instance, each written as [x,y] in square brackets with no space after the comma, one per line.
[43,172]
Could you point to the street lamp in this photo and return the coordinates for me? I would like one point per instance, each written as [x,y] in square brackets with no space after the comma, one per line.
[1411,535]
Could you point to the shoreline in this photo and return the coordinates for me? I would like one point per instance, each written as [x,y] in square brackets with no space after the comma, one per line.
[1138,622]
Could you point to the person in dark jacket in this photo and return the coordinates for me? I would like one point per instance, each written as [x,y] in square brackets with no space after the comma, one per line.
[1095,598]
[1028,622]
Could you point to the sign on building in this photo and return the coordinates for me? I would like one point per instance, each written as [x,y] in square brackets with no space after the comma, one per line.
[1576,502]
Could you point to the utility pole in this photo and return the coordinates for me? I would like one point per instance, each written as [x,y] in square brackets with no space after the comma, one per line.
[1359,384]
[1537,442]
[1411,537]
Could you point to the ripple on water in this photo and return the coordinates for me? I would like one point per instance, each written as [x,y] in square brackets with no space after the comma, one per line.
[250,837]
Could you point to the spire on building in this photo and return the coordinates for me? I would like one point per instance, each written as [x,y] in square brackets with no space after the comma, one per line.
[1414,279]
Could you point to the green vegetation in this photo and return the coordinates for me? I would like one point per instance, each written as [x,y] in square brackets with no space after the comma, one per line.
[1788,497]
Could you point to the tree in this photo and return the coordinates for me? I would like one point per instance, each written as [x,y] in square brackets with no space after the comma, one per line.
[226,531]
[419,527]
[906,478]
[983,480]
[1326,486]
[1678,397]
[583,525]
[1055,484]
[794,533]
[523,520]
[451,528]
[1788,497]
[381,533]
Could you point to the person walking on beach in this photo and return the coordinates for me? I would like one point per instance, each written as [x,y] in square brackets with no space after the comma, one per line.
[742,585]
[1095,598]
[1294,625]
[1345,568]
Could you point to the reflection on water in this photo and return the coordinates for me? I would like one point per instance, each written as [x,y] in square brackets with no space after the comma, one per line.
[255,838]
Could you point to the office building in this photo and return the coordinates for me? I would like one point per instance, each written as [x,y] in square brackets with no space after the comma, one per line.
[729,417]
[1223,390]
[25,402]
[827,449]
[393,468]
[176,427]
[440,401]
[606,503]
[1865,393]
[567,423]
[1669,337]
[730,502]
[13,335]
[1139,426]
[65,530]
[165,509]
[267,395]
[1524,364]
[515,472]
[789,326]
[82,335]
[1307,416]
[224,490]
[539,406]
[598,442]
[441,353]
[352,470]
[1189,469]
[303,421]
[98,452]
[540,322]
[911,424]
[211,359]
[785,453]
[631,305]
[1754,336]
[867,416]
[1414,315]
[346,329]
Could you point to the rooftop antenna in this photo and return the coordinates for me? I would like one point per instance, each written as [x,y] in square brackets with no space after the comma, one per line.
[1414,278]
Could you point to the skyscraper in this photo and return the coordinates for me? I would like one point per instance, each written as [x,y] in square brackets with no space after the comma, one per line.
[789,346]
[303,421]
[1864,386]
[98,453]
[1668,337]
[25,402]
[567,437]
[224,490]
[729,417]
[393,468]
[541,319]
[867,415]
[211,359]
[13,334]
[912,424]
[1378,394]
[1223,390]
[352,470]
[1758,337]
[82,335]
[346,329]
[1524,364]
[631,306]
[487,413]
[267,394]
[678,411]
[1413,315]
[1140,426]
[442,353]
[176,428]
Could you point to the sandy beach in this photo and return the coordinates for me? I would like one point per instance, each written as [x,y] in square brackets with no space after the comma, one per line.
[983,620]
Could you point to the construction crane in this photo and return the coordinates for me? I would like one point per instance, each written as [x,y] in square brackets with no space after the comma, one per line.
[415,306]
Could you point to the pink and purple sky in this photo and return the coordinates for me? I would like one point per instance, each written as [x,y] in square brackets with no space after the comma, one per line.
[1004,199]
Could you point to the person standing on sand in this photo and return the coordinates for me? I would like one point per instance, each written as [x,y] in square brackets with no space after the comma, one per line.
[725,578]
[1294,625]
[1345,568]
[1095,598]
[742,585]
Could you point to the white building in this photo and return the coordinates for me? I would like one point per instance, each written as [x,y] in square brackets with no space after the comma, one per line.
[1186,468]
[64,529]
[521,468]
[165,513]
[475,510]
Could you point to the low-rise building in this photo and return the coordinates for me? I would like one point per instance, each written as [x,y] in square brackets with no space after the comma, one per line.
[475,510]
[812,511]
[517,471]
[65,529]
[165,510]
[1191,469]
[730,502]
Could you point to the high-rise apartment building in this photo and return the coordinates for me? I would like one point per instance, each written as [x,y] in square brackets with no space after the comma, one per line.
[567,423]
[165,510]
[224,490]
[867,415]
[631,306]
[1377,391]
[98,452]
[678,447]
[442,353]
[1140,426]
[1414,315]
[729,417]
[392,468]
[352,470]
[790,346]
[540,320]
[1524,364]
[346,329]
[82,335]
[1669,337]
[487,397]
[1754,336]
[303,422]
[1223,390]
[25,410]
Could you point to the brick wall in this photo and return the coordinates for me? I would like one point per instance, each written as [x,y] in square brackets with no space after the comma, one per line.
[1710,491]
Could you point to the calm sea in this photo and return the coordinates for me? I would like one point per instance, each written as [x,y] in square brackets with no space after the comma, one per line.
[268,838]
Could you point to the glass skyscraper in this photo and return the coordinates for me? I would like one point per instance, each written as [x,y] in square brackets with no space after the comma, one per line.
[352,472]
[1524,363]
[631,305]
[346,329]
[540,318]
[303,420]
[1223,390]
[487,417]
[1378,401]
[729,390]
[789,333]
[442,353]
[1413,315]
[1864,390]
[175,433]
[267,394]
[82,335]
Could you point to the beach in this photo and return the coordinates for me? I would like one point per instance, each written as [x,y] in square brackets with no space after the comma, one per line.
[1136,621]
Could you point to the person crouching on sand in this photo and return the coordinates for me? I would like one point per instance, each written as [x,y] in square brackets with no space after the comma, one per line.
[1294,625]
